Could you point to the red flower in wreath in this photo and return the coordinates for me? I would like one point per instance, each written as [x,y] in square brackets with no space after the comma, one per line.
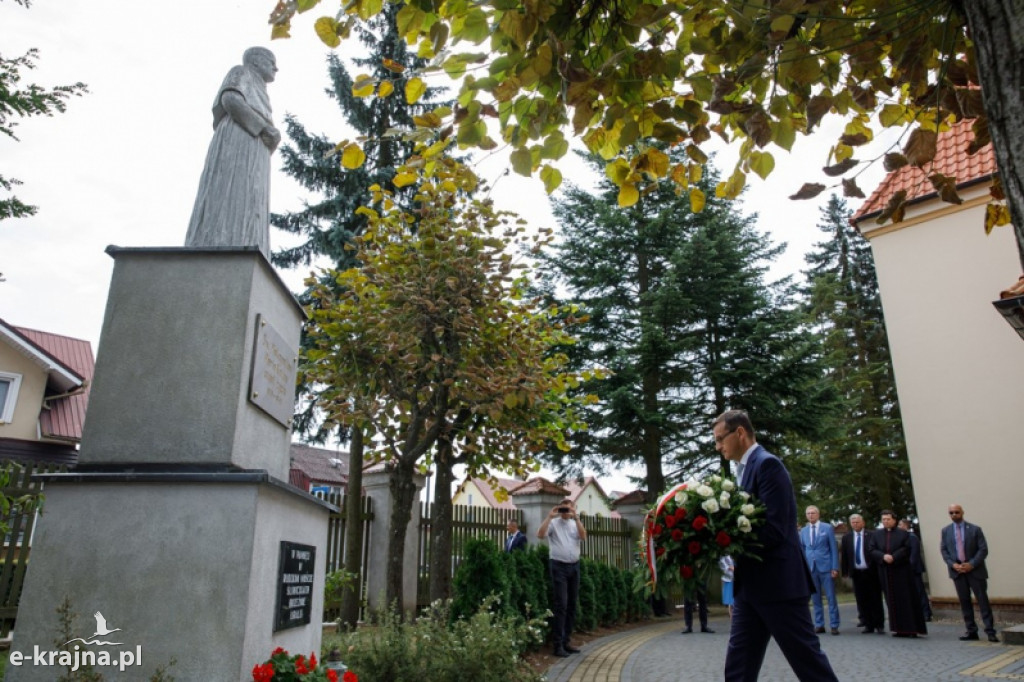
[680,513]
[659,551]
[694,548]
[656,531]
[699,523]
[263,673]
[670,521]
[677,535]
[686,572]
[723,539]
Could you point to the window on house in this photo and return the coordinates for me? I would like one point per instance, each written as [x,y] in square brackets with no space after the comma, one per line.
[9,385]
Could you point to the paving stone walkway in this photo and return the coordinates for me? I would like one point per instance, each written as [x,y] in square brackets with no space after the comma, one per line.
[660,653]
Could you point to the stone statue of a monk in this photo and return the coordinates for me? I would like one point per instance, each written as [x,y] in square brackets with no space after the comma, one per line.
[233,202]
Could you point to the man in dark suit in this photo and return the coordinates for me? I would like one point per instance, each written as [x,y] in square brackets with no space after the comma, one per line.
[964,550]
[855,563]
[516,539]
[770,594]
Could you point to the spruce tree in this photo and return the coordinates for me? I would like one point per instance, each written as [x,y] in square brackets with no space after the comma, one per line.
[680,311]
[862,467]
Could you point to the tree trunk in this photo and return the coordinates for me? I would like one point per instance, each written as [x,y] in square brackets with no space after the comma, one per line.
[997,28]
[441,526]
[350,598]
[402,485]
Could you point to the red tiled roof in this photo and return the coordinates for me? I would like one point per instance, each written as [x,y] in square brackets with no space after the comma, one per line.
[538,484]
[951,159]
[62,418]
[320,465]
[635,497]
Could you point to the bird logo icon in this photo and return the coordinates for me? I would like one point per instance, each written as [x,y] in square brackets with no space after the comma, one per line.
[101,631]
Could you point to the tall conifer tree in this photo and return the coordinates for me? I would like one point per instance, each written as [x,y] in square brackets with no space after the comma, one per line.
[862,467]
[681,312]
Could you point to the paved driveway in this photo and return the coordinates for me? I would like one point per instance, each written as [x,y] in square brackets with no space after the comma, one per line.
[659,653]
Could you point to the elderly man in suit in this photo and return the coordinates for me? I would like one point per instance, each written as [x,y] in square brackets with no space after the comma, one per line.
[855,563]
[964,550]
[516,540]
[818,541]
[769,592]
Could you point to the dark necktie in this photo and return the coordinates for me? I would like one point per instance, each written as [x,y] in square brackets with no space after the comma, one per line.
[814,533]
[960,553]
[857,561]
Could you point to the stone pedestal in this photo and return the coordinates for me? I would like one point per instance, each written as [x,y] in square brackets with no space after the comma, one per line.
[186,334]
[177,527]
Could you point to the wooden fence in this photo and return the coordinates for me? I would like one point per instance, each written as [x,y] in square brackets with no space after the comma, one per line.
[17,544]
[608,540]
[336,549]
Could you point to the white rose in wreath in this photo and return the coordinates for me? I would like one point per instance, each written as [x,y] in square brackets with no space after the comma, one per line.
[680,498]
[747,510]
[728,485]
[743,523]
[705,490]
[723,500]
[710,505]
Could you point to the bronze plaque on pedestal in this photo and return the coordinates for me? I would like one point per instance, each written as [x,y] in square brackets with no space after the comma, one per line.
[274,365]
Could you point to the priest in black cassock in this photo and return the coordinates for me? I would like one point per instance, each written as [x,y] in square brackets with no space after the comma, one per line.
[890,551]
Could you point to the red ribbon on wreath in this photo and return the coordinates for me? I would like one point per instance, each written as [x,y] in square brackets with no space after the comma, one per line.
[649,537]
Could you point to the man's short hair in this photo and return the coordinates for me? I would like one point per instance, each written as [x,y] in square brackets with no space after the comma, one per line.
[810,507]
[734,419]
[856,516]
[888,512]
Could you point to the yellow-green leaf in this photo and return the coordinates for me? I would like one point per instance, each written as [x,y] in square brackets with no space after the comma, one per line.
[762,163]
[327,30]
[552,178]
[414,89]
[353,156]
[628,195]
[522,161]
[280,31]
[385,89]
[892,114]
[697,199]
[404,179]
[363,86]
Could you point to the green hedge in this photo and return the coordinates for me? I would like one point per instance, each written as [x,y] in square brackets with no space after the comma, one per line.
[522,585]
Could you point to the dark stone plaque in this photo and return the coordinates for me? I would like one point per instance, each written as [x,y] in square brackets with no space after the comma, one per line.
[274,364]
[294,585]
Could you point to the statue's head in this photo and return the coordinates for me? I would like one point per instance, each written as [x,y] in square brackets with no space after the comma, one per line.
[262,60]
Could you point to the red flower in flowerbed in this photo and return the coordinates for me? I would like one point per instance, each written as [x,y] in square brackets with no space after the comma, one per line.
[707,519]
[283,667]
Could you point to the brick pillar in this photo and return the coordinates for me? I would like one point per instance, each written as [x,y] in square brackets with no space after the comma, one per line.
[375,484]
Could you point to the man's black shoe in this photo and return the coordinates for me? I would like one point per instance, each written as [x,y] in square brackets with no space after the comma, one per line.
[707,630]
[687,631]
[819,631]
[992,638]
[835,631]
[867,631]
[571,649]
[969,637]
[561,653]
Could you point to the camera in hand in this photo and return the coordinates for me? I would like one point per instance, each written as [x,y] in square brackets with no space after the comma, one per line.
[564,510]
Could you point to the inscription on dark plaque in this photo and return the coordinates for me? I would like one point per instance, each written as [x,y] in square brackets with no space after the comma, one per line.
[294,585]
[274,364]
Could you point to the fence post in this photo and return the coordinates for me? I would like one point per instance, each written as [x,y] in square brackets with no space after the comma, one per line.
[376,485]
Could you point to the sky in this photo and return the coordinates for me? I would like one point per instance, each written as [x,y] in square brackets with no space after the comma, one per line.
[121,166]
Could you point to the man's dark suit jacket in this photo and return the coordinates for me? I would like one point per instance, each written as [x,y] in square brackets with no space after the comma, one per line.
[782,573]
[975,548]
[847,561]
[518,542]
